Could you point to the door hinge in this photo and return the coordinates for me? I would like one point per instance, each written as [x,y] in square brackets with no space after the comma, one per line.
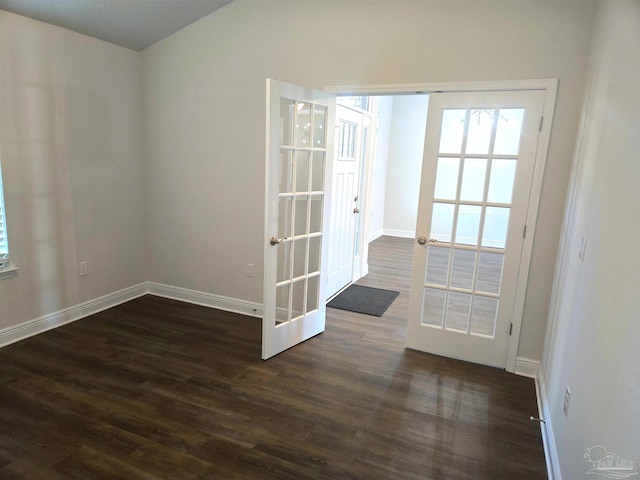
[541,122]
[524,232]
[510,329]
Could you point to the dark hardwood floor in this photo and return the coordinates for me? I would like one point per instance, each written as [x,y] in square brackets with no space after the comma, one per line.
[159,389]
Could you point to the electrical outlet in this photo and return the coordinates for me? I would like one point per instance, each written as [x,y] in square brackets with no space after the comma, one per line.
[251,269]
[83,268]
[567,398]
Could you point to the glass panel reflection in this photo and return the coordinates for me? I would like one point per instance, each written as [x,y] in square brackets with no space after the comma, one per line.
[302,171]
[315,219]
[503,173]
[299,257]
[489,272]
[458,305]
[483,318]
[496,223]
[479,134]
[319,126]
[315,252]
[313,293]
[473,177]
[285,206]
[285,180]
[303,124]
[433,307]
[442,221]
[284,261]
[468,224]
[447,178]
[437,265]
[462,267]
[452,130]
[287,110]
[282,303]
[317,172]
[298,298]
[300,226]
[508,131]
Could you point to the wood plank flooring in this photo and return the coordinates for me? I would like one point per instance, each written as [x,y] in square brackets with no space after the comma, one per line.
[159,389]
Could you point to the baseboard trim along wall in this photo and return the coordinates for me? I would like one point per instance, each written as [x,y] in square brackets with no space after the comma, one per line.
[527,367]
[29,328]
[548,440]
[206,299]
[399,233]
[53,320]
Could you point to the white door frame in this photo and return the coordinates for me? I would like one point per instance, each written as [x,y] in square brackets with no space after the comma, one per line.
[550,87]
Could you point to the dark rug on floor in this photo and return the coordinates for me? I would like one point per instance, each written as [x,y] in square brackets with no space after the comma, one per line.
[367,300]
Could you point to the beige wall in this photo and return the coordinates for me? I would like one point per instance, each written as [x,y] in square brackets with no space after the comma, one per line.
[204,107]
[70,147]
[593,344]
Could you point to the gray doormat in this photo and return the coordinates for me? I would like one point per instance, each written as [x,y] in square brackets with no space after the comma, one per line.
[367,300]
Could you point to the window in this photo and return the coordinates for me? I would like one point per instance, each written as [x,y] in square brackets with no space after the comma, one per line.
[4,242]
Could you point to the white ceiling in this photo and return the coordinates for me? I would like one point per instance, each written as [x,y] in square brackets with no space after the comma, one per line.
[134,24]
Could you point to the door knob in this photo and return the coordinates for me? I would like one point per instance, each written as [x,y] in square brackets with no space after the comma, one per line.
[422,240]
[276,241]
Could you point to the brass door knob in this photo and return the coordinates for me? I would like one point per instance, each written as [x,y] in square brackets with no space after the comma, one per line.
[422,240]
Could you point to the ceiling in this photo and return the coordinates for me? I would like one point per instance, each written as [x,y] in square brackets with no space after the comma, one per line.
[134,24]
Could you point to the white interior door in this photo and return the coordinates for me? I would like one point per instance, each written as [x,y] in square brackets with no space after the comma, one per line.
[296,210]
[479,157]
[344,198]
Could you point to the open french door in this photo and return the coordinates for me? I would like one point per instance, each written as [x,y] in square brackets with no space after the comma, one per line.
[479,158]
[298,138]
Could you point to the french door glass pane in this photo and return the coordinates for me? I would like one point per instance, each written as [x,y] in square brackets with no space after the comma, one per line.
[503,173]
[447,178]
[458,305]
[508,131]
[496,223]
[433,307]
[452,130]
[473,176]
[489,272]
[285,205]
[437,265]
[315,252]
[284,262]
[442,221]
[285,182]
[297,299]
[483,318]
[479,134]
[317,172]
[315,219]
[302,171]
[282,303]
[303,125]
[300,227]
[287,114]
[468,224]
[319,125]
[313,287]
[299,257]
[462,268]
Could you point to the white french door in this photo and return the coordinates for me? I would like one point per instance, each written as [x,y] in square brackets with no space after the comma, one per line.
[344,198]
[479,158]
[296,211]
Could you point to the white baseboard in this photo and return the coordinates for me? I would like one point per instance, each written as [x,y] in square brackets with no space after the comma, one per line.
[71,314]
[206,299]
[548,440]
[377,234]
[527,367]
[399,233]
